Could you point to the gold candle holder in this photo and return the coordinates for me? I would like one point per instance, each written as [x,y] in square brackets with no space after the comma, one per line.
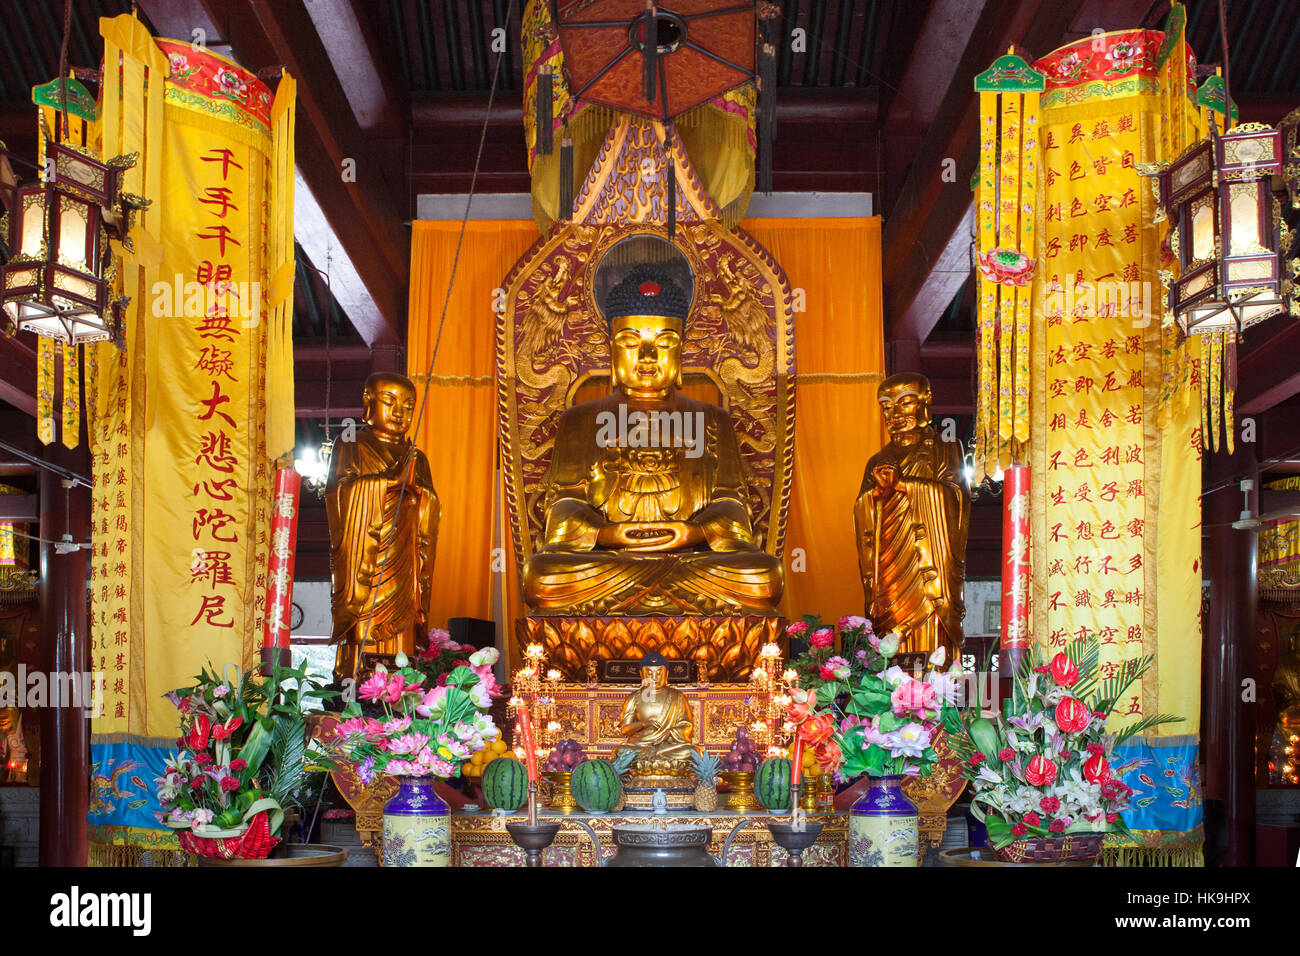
[741,798]
[561,790]
[810,788]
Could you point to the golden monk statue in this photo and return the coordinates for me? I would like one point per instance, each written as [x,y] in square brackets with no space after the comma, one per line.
[645,500]
[383,519]
[912,517]
[657,722]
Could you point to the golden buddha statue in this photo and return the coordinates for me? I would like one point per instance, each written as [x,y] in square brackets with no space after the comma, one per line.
[645,495]
[383,520]
[912,516]
[657,722]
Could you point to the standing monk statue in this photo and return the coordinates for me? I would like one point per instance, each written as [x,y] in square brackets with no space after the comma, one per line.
[912,517]
[383,518]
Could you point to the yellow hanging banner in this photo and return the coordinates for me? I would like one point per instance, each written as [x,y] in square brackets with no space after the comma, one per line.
[1116,472]
[183,469]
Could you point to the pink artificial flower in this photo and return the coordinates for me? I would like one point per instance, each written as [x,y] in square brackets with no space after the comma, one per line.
[835,668]
[396,726]
[914,696]
[433,701]
[822,637]
[373,688]
[853,621]
[797,628]
[408,744]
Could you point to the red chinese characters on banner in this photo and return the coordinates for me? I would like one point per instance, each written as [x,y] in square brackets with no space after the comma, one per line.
[221,178]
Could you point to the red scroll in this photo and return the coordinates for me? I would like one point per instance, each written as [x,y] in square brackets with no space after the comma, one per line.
[1015,568]
[279,578]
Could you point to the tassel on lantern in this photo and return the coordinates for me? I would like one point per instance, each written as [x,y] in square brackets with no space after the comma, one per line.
[566,177]
[545,104]
[670,169]
[650,53]
[766,116]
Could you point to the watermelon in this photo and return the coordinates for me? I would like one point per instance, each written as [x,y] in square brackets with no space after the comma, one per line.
[596,786]
[772,783]
[505,784]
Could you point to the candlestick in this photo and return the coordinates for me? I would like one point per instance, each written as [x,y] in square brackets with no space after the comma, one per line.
[796,772]
[530,751]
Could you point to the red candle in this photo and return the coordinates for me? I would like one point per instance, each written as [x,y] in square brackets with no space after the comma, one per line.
[526,732]
[797,773]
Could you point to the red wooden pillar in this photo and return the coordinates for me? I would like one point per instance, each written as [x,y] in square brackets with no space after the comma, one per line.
[65,731]
[1227,726]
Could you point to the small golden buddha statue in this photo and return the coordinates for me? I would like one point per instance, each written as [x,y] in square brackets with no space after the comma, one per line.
[645,495]
[657,722]
[912,517]
[383,519]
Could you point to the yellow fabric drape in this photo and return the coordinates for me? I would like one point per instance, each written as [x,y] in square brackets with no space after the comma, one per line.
[839,360]
[458,432]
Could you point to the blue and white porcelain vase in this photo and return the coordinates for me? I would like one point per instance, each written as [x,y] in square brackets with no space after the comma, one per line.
[417,825]
[884,826]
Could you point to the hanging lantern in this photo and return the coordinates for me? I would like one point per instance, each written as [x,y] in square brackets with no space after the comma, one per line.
[57,277]
[1227,230]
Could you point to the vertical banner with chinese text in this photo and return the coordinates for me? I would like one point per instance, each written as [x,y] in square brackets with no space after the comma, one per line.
[1116,474]
[183,470]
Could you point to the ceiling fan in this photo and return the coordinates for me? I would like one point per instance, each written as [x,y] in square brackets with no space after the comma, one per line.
[1248,520]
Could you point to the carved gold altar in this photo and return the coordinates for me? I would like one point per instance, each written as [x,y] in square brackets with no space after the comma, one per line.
[728,647]
[736,356]
[479,839]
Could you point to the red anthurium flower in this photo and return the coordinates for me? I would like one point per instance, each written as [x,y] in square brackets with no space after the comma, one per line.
[1096,769]
[1040,772]
[222,731]
[198,738]
[1063,670]
[1072,716]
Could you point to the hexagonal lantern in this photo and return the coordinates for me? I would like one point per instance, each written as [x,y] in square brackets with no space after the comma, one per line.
[1227,230]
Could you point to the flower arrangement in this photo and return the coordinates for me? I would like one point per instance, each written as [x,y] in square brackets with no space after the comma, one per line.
[443,655]
[242,756]
[1044,768]
[860,714]
[425,731]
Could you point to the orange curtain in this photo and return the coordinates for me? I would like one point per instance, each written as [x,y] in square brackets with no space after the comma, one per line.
[459,428]
[839,361]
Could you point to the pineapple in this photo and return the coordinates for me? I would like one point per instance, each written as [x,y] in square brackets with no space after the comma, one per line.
[706,767]
[623,761]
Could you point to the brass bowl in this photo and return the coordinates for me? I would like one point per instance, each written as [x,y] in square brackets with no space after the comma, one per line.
[741,798]
[561,790]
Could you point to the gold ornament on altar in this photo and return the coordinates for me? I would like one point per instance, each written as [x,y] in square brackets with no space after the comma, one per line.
[383,519]
[912,517]
[645,500]
[657,724]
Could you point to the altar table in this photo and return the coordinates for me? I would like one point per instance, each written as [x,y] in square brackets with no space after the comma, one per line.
[480,839]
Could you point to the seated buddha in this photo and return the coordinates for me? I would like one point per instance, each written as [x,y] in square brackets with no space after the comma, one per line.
[644,497]
[656,722]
